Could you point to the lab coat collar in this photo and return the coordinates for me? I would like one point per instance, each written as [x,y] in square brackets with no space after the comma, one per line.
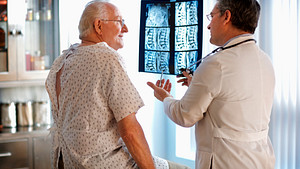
[238,39]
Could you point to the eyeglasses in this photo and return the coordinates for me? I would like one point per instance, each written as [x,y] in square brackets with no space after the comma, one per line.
[210,16]
[122,21]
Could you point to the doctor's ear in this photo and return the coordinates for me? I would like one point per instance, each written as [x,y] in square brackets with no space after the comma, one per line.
[227,15]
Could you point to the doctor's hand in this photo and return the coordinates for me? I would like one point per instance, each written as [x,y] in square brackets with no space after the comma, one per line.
[161,90]
[187,80]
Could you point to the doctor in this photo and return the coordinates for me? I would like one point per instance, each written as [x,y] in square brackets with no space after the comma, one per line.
[230,96]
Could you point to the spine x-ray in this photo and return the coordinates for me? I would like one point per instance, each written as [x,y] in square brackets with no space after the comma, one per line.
[170,37]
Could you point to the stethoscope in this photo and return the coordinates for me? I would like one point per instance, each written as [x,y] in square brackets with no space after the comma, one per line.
[211,53]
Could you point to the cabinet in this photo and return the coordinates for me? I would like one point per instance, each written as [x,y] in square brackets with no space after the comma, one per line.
[29,38]
[14,154]
[41,153]
[30,150]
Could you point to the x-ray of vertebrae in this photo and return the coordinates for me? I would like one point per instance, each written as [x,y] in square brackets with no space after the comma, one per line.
[186,38]
[180,61]
[180,38]
[157,39]
[163,61]
[192,15]
[180,14]
[192,57]
[157,61]
[163,39]
[192,42]
[157,15]
[163,19]
[150,61]
[150,38]
[186,13]
[184,60]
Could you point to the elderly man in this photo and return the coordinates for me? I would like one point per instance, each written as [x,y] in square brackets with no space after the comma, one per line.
[230,96]
[94,102]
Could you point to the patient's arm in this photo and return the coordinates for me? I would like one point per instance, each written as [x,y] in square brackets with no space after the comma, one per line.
[134,138]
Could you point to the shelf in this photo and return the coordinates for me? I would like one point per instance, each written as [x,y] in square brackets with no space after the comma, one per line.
[8,84]
[38,20]
[6,131]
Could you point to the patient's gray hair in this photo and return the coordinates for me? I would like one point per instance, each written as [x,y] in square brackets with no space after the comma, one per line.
[93,10]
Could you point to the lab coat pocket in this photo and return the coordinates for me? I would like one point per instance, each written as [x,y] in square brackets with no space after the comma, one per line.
[204,159]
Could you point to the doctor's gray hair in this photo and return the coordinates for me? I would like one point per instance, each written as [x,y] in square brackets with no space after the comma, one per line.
[93,10]
[244,13]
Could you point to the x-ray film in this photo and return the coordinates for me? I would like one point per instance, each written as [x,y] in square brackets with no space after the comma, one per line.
[170,35]
[157,61]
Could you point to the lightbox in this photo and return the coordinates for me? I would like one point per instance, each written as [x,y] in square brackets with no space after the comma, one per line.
[170,35]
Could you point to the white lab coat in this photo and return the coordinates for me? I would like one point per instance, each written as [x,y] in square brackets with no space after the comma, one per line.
[229,101]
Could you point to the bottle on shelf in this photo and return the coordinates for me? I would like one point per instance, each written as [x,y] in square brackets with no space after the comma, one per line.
[29,15]
[28,60]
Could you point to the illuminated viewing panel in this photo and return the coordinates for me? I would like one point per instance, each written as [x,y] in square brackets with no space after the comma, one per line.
[170,35]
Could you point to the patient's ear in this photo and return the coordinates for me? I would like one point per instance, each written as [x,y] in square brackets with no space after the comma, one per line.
[97,26]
